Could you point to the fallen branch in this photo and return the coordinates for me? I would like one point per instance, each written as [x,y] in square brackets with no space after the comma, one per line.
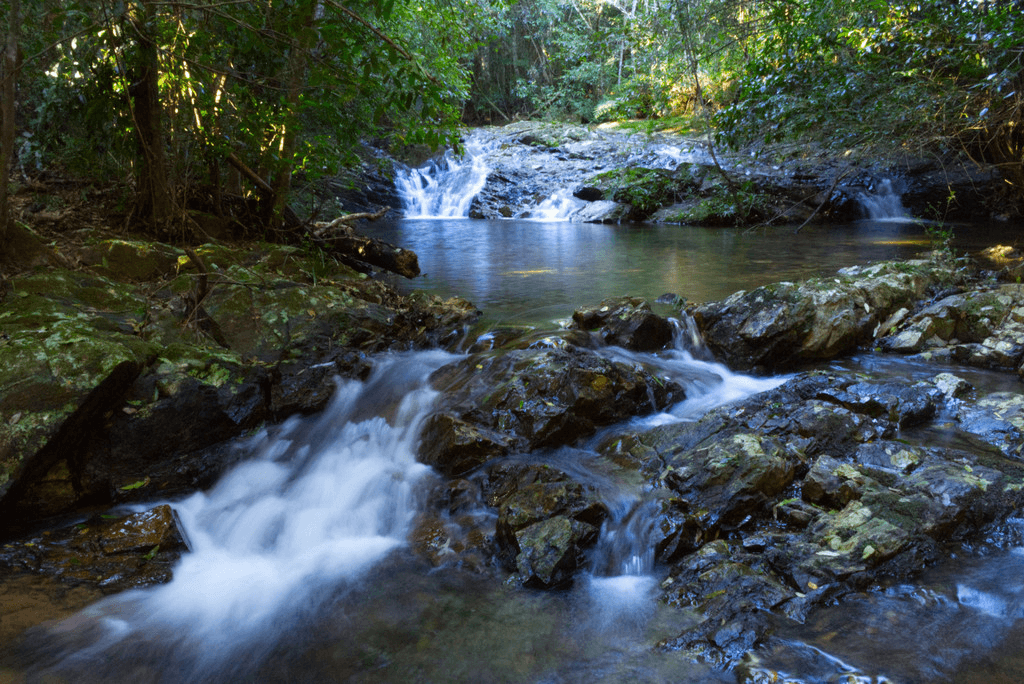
[362,253]
[344,222]
[261,185]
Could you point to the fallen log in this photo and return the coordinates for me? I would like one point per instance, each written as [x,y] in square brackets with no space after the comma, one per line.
[362,253]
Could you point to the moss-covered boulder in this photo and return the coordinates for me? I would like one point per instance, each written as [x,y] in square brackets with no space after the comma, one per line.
[784,324]
[126,371]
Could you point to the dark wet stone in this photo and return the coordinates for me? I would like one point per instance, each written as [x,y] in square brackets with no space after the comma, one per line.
[456,447]
[626,322]
[730,478]
[735,592]
[830,483]
[544,529]
[111,551]
[782,325]
[588,193]
[525,399]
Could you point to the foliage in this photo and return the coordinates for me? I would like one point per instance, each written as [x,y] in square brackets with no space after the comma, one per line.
[645,189]
[286,87]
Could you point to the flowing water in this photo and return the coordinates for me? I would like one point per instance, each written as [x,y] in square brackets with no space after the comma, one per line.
[300,569]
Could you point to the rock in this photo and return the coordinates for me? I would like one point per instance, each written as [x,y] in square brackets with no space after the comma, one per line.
[588,193]
[105,384]
[456,447]
[604,211]
[525,399]
[951,386]
[782,325]
[980,327]
[626,322]
[796,497]
[112,551]
[729,478]
[544,528]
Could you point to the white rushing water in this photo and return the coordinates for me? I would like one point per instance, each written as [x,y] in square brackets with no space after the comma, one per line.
[883,204]
[320,502]
[558,207]
[445,188]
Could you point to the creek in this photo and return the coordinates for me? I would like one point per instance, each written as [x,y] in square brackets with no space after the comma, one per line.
[300,569]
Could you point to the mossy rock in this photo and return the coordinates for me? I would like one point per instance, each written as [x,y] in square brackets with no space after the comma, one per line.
[132,260]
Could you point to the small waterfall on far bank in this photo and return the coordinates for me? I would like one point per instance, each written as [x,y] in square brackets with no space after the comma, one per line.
[444,188]
[883,203]
[558,207]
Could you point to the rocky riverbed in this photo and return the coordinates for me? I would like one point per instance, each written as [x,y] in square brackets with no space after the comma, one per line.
[129,368]
[757,511]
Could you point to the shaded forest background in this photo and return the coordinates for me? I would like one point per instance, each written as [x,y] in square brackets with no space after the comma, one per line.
[225,105]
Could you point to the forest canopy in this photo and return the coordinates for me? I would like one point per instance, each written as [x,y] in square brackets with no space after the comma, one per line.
[221,94]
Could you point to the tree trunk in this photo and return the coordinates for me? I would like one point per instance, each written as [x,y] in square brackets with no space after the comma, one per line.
[296,79]
[154,204]
[10,77]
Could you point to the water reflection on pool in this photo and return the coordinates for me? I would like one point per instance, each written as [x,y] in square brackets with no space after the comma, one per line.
[534,272]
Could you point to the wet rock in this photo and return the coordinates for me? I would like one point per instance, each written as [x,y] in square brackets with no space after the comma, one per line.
[456,447]
[951,386]
[112,551]
[997,420]
[626,322]
[105,384]
[729,478]
[551,550]
[802,494]
[735,592]
[525,399]
[544,528]
[588,193]
[781,325]
[830,483]
[979,327]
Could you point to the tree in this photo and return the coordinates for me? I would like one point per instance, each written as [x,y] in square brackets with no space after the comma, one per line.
[171,90]
[9,76]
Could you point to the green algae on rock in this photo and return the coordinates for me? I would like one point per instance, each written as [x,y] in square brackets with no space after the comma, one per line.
[124,347]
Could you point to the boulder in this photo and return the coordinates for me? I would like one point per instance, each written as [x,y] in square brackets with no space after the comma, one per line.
[625,322]
[496,403]
[782,325]
[104,384]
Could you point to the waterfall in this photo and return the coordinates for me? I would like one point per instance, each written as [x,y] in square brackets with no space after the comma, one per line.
[558,207]
[883,204]
[321,501]
[444,188]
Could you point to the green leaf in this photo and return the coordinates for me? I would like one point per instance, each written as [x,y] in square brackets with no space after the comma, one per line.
[135,485]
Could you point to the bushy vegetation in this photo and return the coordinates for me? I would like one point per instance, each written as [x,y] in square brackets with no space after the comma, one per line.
[228,94]
[178,95]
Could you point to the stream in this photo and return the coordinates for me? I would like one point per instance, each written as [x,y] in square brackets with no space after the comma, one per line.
[300,568]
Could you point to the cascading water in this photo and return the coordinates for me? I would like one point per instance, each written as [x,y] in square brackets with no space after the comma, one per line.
[445,188]
[558,207]
[883,203]
[320,503]
[284,536]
